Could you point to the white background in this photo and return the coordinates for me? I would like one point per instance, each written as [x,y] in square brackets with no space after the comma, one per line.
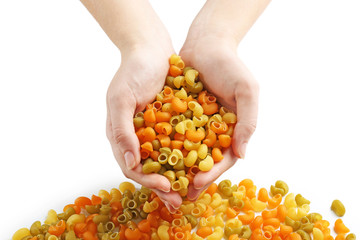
[56,64]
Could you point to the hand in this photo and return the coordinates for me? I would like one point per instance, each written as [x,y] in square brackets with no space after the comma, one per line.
[140,77]
[224,75]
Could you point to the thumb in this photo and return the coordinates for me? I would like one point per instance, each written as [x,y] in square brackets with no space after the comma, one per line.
[247,111]
[121,110]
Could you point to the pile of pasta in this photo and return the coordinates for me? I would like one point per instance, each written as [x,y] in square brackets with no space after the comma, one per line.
[223,211]
[185,130]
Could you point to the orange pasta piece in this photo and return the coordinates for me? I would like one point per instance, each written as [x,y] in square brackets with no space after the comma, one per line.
[258,221]
[257,234]
[247,205]
[212,189]
[340,227]
[208,212]
[269,213]
[247,218]
[163,128]
[281,212]
[57,229]
[217,155]
[164,140]
[132,234]
[263,195]
[234,237]
[162,116]
[275,222]
[210,108]
[149,115]
[179,105]
[82,202]
[168,95]
[147,146]
[157,105]
[144,153]
[230,213]
[340,236]
[202,97]
[175,144]
[140,134]
[285,230]
[274,201]
[204,231]
[210,138]
[179,137]
[251,192]
[195,136]
[321,224]
[219,127]
[294,236]
[247,183]
[224,140]
[165,214]
[154,155]
[175,71]
[149,134]
[210,98]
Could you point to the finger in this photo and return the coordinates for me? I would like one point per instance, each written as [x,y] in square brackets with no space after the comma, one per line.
[172,200]
[247,111]
[121,110]
[202,179]
[193,193]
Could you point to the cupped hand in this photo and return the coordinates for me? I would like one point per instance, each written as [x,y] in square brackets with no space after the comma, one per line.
[140,77]
[225,76]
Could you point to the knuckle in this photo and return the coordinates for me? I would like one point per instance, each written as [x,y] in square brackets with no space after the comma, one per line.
[247,128]
[119,134]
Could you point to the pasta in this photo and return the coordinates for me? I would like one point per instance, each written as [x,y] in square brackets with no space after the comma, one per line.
[223,210]
[338,208]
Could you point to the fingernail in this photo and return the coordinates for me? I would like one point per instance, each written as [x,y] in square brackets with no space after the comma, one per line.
[169,208]
[198,187]
[164,189]
[242,150]
[129,160]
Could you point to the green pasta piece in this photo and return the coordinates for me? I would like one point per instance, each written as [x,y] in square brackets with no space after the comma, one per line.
[235,202]
[307,227]
[138,122]
[188,113]
[143,214]
[70,235]
[42,237]
[245,232]
[280,188]
[101,218]
[151,167]
[109,226]
[294,224]
[338,208]
[91,209]
[192,220]
[170,81]
[145,190]
[131,204]
[27,237]
[127,193]
[163,158]
[300,200]
[44,228]
[135,213]
[128,213]
[105,210]
[156,144]
[101,228]
[143,198]
[314,217]
[304,235]
[35,228]
[122,218]
[350,236]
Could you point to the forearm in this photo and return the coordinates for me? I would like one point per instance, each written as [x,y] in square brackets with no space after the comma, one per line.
[227,20]
[127,23]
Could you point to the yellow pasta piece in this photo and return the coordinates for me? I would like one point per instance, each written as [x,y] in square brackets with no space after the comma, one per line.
[196,108]
[205,199]
[163,232]
[219,220]
[180,127]
[190,76]
[194,236]
[200,121]
[258,206]
[73,219]
[217,234]
[317,234]
[289,201]
[126,186]
[191,158]
[233,223]
[206,164]
[179,81]
[51,218]
[182,94]
[21,233]
[215,200]
[189,145]
[186,208]
[202,151]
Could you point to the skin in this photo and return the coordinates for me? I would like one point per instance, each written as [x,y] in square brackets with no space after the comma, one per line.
[145,47]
